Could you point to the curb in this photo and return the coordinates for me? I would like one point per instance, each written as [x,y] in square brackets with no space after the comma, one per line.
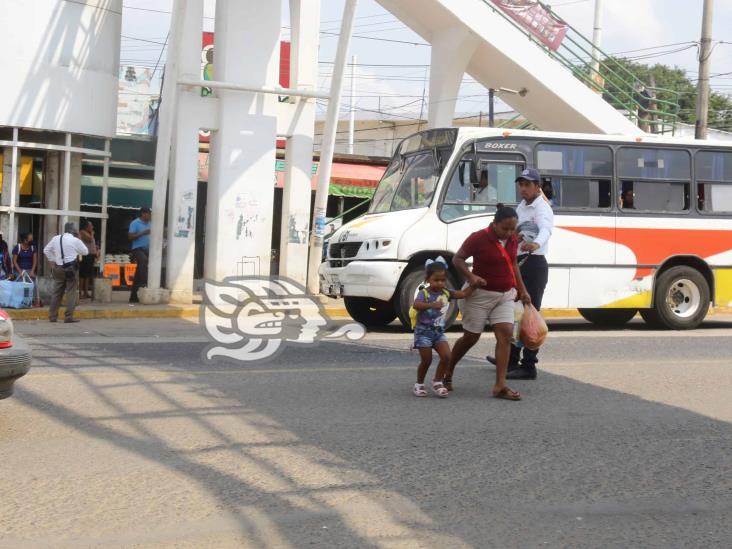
[137,311]
[193,311]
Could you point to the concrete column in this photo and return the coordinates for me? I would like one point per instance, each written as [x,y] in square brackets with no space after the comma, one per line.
[75,184]
[182,196]
[7,168]
[305,20]
[452,49]
[52,192]
[183,186]
[242,168]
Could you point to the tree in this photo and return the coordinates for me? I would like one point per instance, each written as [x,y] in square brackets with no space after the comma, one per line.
[671,85]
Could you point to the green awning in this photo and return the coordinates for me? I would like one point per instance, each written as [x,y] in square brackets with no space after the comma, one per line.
[354,191]
[123,192]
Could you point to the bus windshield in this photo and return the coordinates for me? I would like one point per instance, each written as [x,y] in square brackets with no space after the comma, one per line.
[411,178]
[411,187]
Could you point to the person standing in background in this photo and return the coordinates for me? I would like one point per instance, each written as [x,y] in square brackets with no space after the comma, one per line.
[63,252]
[6,263]
[25,256]
[86,269]
[139,235]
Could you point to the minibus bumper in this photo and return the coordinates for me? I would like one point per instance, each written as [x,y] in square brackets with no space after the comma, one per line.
[376,279]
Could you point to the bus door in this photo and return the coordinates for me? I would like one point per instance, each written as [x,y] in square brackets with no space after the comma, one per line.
[468,205]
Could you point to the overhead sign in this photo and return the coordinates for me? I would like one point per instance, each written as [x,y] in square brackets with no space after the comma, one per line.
[531,15]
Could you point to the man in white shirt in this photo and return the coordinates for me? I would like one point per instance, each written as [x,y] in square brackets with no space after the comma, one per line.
[535,225]
[63,251]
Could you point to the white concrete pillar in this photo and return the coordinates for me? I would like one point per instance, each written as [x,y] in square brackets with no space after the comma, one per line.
[182,196]
[7,168]
[242,157]
[452,49]
[305,22]
[51,194]
[183,186]
[75,182]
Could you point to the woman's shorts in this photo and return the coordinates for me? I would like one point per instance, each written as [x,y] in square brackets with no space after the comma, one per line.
[86,268]
[428,336]
[485,306]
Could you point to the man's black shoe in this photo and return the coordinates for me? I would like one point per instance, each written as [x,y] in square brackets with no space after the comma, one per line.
[134,299]
[521,373]
[492,360]
[71,321]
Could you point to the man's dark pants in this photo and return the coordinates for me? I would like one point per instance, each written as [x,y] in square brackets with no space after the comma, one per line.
[62,284]
[535,273]
[139,256]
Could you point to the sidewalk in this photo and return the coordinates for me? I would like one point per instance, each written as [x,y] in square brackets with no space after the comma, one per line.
[334,308]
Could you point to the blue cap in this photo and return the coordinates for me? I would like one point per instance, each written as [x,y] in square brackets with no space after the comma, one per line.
[530,174]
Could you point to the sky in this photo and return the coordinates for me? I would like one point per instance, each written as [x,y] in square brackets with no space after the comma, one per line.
[657,31]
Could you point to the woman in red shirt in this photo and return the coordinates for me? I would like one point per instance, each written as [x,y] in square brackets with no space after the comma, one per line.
[497,279]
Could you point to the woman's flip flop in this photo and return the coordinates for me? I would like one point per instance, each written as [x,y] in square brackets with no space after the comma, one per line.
[507,394]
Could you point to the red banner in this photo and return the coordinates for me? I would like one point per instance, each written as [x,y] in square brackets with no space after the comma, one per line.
[533,17]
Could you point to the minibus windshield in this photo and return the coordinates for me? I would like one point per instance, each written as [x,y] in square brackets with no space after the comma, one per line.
[411,178]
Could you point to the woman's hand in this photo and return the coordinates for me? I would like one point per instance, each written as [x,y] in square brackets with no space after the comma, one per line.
[525,298]
[529,246]
[476,282]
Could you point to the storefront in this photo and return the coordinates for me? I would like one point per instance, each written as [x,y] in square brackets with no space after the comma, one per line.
[131,181]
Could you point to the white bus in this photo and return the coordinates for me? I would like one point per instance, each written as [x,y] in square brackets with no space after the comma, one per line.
[642,224]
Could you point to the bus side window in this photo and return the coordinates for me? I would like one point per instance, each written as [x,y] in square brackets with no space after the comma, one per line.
[658,196]
[581,193]
[714,181]
[654,179]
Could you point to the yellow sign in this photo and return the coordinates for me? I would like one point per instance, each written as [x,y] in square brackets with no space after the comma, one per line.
[26,175]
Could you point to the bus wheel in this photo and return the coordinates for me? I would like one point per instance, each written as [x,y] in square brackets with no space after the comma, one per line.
[681,299]
[407,292]
[370,312]
[609,318]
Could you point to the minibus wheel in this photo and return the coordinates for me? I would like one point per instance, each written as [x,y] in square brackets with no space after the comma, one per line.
[681,299]
[407,292]
[608,318]
[370,312]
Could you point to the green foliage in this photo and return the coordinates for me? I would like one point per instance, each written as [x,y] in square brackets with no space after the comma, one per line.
[617,72]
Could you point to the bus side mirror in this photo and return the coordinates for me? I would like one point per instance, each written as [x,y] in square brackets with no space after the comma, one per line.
[475,168]
[474,175]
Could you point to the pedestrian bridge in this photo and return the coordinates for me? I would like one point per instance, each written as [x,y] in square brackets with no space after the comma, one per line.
[550,77]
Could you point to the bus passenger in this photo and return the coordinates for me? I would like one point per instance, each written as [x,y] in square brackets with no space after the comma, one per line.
[497,279]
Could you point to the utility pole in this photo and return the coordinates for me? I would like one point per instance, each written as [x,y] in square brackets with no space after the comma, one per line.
[328,146]
[352,118]
[596,37]
[702,91]
[491,112]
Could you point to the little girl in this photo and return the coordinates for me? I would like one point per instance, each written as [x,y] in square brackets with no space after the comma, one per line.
[431,306]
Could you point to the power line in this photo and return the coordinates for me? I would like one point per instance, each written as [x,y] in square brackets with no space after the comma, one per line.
[157,63]
[378,39]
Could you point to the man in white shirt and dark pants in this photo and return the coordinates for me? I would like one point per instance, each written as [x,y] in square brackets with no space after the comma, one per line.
[63,251]
[535,225]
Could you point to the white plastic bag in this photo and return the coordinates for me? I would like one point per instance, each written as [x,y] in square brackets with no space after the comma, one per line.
[518,315]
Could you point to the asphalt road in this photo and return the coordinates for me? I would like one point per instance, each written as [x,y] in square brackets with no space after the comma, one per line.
[121,437]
